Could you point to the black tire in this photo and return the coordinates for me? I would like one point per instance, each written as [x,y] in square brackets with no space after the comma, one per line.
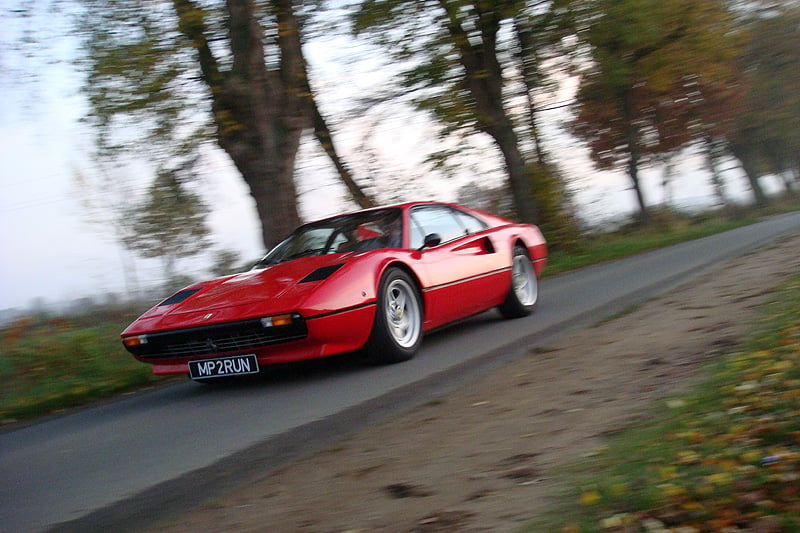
[523,294]
[397,331]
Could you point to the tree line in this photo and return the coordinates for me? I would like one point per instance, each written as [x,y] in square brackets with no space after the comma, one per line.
[166,78]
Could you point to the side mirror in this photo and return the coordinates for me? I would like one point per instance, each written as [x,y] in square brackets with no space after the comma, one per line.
[431,240]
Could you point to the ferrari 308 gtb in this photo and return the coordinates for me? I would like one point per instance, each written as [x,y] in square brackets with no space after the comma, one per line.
[372,281]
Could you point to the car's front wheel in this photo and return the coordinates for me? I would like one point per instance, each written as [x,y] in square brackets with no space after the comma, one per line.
[397,331]
[524,291]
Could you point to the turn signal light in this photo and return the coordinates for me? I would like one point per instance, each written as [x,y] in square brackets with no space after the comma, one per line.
[279,320]
[135,341]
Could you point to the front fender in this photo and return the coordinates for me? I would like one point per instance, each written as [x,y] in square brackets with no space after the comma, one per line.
[353,285]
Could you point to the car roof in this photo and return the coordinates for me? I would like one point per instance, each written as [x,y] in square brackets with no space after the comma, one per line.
[403,206]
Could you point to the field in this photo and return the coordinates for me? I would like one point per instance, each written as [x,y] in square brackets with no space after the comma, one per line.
[52,363]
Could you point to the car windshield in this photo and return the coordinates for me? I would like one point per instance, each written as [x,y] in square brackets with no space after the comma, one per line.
[357,232]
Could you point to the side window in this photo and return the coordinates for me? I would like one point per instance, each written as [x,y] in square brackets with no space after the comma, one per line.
[434,219]
[472,224]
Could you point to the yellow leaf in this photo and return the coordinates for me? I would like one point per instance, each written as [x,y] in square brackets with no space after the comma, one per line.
[722,478]
[671,491]
[613,522]
[619,489]
[591,497]
[667,472]
[751,456]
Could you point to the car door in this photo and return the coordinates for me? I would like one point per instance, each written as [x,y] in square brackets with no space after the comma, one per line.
[463,271]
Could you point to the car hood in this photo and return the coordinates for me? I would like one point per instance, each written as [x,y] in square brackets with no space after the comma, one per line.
[273,283]
[276,289]
[242,289]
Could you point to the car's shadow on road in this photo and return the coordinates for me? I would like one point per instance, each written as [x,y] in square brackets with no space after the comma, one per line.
[287,374]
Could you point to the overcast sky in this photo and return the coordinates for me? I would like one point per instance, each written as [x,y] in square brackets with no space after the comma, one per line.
[51,251]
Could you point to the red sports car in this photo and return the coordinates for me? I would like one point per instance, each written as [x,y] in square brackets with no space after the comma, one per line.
[372,280]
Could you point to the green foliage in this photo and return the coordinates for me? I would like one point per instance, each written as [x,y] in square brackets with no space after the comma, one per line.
[140,81]
[722,458]
[226,262]
[659,77]
[463,68]
[169,223]
[415,35]
[668,228]
[556,210]
[165,77]
[432,43]
[52,363]
[769,121]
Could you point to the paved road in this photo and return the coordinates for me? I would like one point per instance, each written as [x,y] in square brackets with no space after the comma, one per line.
[165,444]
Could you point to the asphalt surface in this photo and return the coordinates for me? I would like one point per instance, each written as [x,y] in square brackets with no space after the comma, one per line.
[122,464]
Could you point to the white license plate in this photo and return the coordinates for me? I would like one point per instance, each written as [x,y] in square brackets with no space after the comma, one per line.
[239,365]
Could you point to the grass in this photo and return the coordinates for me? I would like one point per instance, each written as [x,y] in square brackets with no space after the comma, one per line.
[669,228]
[724,457]
[52,363]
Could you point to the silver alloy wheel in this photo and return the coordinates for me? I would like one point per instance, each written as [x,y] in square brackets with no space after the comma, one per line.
[403,313]
[524,281]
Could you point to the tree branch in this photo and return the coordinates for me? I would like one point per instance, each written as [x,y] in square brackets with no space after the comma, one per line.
[191,22]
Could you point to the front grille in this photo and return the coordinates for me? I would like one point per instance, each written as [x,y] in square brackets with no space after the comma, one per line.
[222,338]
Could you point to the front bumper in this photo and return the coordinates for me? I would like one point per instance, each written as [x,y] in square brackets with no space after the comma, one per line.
[344,331]
[245,335]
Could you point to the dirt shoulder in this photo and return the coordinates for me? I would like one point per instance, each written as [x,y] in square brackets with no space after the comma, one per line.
[486,456]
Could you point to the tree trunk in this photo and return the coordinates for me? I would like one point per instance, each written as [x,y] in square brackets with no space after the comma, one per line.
[483,77]
[717,181]
[666,179]
[788,182]
[742,153]
[633,173]
[529,64]
[272,186]
[325,139]
[518,179]
[321,131]
[260,113]
[632,139]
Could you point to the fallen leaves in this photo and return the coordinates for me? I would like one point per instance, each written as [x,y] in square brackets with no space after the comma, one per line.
[727,458]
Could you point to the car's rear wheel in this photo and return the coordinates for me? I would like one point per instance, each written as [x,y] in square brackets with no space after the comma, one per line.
[524,291]
[397,331]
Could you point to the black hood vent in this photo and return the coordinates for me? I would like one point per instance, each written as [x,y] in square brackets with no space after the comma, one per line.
[321,273]
[179,297]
